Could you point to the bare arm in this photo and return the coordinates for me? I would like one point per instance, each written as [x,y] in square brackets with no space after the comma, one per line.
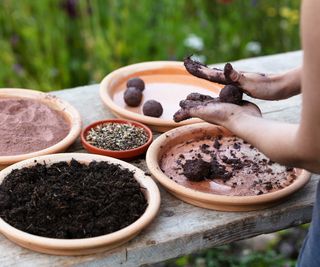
[294,145]
[257,85]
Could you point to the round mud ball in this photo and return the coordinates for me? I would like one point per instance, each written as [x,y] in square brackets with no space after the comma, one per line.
[132,96]
[152,108]
[231,94]
[196,170]
[136,83]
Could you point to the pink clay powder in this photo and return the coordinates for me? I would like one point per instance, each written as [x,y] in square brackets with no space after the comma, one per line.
[28,125]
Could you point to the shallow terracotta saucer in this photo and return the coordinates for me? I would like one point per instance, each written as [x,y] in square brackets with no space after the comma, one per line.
[210,194]
[165,81]
[85,245]
[67,110]
[120,154]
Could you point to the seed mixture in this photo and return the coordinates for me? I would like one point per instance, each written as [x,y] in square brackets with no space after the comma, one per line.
[71,200]
[117,136]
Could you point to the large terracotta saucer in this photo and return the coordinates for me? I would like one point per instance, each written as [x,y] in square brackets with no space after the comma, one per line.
[84,245]
[67,110]
[165,81]
[218,194]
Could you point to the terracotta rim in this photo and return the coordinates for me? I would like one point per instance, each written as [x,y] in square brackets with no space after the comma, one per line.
[152,195]
[154,66]
[70,113]
[117,153]
[152,159]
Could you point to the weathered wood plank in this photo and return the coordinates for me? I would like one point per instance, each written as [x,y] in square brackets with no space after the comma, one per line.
[181,228]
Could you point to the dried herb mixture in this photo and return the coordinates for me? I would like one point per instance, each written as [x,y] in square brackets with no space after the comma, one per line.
[117,136]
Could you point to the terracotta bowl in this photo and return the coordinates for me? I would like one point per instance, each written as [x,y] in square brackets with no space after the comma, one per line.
[167,82]
[122,154]
[85,245]
[69,112]
[207,199]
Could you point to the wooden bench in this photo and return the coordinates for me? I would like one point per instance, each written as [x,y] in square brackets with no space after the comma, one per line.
[180,228]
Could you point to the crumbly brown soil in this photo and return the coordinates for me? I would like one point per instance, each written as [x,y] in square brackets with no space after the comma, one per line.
[199,170]
[232,167]
[71,200]
[196,169]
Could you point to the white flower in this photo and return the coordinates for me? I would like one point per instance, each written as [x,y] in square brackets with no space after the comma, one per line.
[199,58]
[194,41]
[253,47]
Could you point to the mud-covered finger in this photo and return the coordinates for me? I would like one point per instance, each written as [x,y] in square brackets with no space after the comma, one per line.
[181,115]
[199,97]
[231,75]
[203,71]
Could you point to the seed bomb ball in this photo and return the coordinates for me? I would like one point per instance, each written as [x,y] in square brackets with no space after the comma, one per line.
[136,83]
[132,96]
[231,94]
[152,108]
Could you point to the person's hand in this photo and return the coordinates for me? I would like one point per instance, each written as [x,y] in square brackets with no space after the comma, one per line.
[213,111]
[256,85]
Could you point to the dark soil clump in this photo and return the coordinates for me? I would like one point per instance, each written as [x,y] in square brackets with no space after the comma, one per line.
[152,108]
[231,94]
[196,169]
[136,82]
[132,96]
[71,200]
[219,171]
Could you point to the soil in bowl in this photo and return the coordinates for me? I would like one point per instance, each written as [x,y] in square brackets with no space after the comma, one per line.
[28,125]
[71,200]
[225,166]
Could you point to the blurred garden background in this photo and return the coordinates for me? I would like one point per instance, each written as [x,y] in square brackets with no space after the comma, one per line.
[55,44]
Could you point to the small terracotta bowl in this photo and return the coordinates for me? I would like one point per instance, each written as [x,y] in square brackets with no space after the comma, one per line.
[84,245]
[120,154]
[67,110]
[205,199]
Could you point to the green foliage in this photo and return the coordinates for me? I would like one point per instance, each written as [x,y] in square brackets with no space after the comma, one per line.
[50,44]
[281,251]
[226,256]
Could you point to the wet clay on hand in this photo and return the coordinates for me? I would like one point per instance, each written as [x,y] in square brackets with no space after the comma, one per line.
[229,94]
[203,71]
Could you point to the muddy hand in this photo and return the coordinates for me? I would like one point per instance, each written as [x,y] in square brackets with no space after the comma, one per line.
[254,84]
[212,109]
[203,71]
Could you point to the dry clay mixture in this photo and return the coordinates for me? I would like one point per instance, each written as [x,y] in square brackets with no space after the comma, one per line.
[27,125]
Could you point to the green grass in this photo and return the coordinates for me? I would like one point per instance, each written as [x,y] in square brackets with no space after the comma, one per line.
[50,45]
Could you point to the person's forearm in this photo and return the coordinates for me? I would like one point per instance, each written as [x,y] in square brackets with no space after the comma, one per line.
[276,140]
[281,142]
[288,84]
